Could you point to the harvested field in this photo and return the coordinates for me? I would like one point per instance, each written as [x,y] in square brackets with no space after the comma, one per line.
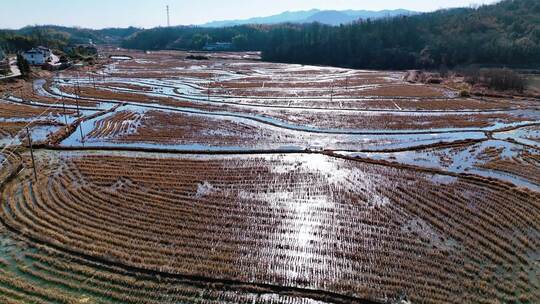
[312,218]
[14,133]
[493,159]
[13,111]
[137,127]
[41,121]
[173,128]
[73,279]
[397,121]
[529,135]
[526,165]
[301,114]
[233,180]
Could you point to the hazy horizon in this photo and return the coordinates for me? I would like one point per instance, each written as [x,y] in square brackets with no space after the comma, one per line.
[145,14]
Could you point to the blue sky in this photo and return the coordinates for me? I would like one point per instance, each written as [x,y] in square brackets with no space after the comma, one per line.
[151,13]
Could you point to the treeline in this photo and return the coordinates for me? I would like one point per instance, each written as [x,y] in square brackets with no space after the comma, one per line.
[58,37]
[243,38]
[496,79]
[507,33]
[13,41]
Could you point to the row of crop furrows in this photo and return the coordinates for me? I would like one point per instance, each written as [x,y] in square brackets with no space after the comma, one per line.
[166,127]
[17,111]
[44,275]
[27,93]
[272,82]
[348,85]
[377,232]
[14,129]
[9,164]
[121,123]
[163,127]
[526,165]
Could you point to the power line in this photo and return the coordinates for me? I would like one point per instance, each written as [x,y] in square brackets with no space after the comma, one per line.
[17,134]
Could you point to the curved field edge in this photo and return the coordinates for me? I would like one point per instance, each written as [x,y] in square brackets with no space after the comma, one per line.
[478,184]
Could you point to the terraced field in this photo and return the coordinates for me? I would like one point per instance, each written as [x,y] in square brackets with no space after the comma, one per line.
[231,180]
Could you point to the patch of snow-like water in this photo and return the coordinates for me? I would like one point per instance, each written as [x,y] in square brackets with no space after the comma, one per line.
[423,229]
[38,133]
[526,135]
[326,140]
[204,189]
[457,160]
[120,57]
[308,210]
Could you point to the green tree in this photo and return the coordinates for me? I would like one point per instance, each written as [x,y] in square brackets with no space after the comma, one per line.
[240,42]
[23,65]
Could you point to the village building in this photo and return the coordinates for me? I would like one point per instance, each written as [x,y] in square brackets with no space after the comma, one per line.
[218,46]
[38,56]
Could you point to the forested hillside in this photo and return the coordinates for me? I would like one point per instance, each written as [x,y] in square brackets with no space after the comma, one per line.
[244,38]
[58,37]
[505,33]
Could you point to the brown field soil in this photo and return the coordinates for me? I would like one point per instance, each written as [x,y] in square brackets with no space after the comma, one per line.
[174,128]
[12,110]
[297,228]
[308,221]
[377,121]
[342,119]
[90,92]
[16,129]
[525,165]
[29,94]
[112,85]
[167,124]
[71,279]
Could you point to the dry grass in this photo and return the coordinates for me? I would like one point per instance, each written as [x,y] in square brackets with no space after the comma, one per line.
[354,228]
[526,165]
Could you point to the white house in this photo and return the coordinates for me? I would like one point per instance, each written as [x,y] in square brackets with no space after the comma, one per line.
[218,46]
[37,56]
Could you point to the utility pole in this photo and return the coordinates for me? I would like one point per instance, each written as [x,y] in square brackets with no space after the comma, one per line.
[78,84]
[332,92]
[81,130]
[168,17]
[63,106]
[77,95]
[31,152]
[76,99]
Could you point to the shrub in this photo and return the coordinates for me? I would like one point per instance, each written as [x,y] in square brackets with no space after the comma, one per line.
[464,93]
[196,57]
[23,65]
[496,79]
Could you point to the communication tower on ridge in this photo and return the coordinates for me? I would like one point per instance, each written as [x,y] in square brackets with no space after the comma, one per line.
[168,17]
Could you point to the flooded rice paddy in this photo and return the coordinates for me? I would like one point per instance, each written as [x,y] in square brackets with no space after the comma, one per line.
[161,179]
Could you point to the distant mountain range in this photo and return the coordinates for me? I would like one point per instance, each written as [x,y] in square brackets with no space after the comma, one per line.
[322,16]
